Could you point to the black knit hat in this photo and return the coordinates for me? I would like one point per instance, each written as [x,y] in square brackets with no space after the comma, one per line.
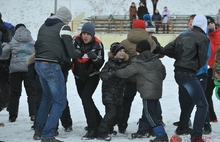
[19,25]
[210,19]
[88,28]
[115,47]
[142,46]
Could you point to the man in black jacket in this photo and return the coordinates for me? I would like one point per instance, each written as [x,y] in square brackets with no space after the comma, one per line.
[190,53]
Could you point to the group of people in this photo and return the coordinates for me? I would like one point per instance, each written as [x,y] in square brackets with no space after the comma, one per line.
[133,65]
[160,20]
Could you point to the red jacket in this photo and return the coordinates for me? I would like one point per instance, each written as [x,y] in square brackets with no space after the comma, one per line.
[215,43]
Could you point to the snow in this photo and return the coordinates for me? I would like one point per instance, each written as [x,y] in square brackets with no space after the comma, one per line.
[33,13]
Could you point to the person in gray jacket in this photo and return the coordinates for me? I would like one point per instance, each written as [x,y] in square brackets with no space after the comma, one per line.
[20,48]
[150,73]
[54,49]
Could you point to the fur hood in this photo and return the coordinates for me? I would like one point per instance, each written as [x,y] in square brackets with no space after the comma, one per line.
[110,55]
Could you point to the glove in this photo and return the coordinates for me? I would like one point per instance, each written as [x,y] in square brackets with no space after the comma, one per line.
[66,65]
[3,29]
[164,15]
[92,55]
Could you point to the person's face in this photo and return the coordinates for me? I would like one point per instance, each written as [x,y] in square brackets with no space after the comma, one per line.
[211,27]
[156,11]
[120,54]
[165,8]
[190,24]
[86,38]
[133,5]
[141,4]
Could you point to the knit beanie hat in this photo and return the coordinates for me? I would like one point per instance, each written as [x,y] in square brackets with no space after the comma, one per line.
[19,25]
[115,47]
[146,17]
[142,46]
[139,24]
[200,21]
[88,28]
[210,19]
[64,14]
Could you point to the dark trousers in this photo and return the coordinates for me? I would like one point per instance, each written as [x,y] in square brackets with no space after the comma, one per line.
[85,90]
[143,122]
[16,88]
[209,92]
[113,114]
[65,118]
[165,25]
[4,93]
[193,95]
[129,94]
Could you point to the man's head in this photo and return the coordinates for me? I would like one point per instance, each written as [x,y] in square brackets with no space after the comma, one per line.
[200,21]
[210,23]
[87,32]
[165,8]
[133,4]
[64,14]
[142,46]
[139,24]
[190,20]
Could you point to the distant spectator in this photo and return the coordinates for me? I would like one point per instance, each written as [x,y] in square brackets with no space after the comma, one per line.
[7,30]
[166,18]
[132,12]
[141,11]
[110,18]
[218,19]
[157,19]
[144,2]
[148,22]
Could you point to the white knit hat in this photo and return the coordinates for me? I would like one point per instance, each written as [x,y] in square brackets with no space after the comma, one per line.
[200,21]
[64,14]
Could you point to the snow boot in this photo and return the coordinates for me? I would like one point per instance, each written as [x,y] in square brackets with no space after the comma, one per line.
[37,134]
[139,134]
[50,140]
[160,133]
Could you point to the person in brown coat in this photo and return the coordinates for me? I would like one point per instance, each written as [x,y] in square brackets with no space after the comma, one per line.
[132,12]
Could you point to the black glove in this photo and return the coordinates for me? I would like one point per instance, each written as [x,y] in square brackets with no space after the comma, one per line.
[92,55]
[164,15]
[66,65]
[3,29]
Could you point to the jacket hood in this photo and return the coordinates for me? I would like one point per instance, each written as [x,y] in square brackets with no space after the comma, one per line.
[52,21]
[23,34]
[110,55]
[200,21]
[136,35]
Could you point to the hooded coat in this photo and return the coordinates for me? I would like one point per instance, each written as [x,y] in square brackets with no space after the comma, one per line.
[113,86]
[134,36]
[150,73]
[21,47]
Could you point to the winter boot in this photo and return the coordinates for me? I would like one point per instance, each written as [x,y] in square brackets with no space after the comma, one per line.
[112,132]
[160,133]
[37,134]
[50,140]
[207,128]
[184,131]
[197,139]
[105,138]
[90,135]
[139,134]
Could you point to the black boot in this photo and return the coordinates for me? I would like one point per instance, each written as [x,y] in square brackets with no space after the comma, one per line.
[90,135]
[161,139]
[139,134]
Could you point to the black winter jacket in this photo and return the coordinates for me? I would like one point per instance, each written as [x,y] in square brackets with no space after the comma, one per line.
[113,86]
[84,67]
[189,50]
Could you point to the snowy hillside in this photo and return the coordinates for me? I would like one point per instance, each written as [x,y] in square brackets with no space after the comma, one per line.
[34,12]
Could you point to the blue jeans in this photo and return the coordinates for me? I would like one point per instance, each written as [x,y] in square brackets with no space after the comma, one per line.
[193,95]
[54,96]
